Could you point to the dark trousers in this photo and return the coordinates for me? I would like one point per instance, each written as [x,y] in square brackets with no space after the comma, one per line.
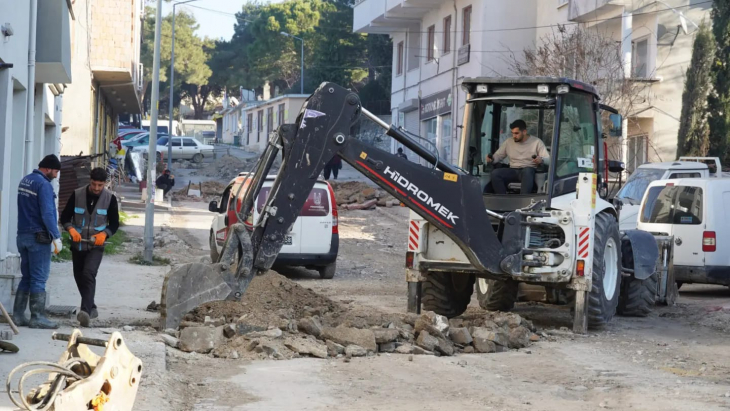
[165,188]
[333,169]
[86,265]
[501,177]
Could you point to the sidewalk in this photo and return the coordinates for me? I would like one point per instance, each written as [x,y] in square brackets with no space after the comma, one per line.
[124,290]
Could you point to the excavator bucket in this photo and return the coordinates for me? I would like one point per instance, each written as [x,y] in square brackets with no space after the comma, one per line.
[191,285]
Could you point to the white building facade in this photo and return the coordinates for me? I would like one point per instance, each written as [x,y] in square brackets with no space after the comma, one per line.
[35,66]
[437,44]
[248,125]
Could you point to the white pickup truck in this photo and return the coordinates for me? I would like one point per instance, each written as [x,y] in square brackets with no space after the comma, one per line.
[633,191]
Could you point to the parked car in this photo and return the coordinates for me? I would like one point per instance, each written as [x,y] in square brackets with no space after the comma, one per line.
[142,139]
[633,191]
[695,212]
[312,241]
[129,134]
[185,148]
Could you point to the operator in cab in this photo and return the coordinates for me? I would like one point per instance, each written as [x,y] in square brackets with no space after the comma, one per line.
[525,154]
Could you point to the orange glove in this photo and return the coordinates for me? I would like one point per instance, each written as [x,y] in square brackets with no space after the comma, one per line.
[75,236]
[99,239]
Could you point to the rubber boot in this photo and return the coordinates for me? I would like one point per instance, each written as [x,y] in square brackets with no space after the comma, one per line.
[38,312]
[21,303]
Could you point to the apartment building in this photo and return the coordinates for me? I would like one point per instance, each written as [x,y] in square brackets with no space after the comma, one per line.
[108,78]
[257,120]
[436,44]
[35,66]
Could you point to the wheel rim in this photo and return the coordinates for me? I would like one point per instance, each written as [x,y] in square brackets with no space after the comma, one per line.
[483,286]
[610,268]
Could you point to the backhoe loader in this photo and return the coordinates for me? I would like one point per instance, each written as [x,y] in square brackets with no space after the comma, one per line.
[563,235]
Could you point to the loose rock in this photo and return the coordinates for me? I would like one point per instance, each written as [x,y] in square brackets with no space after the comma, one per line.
[460,336]
[169,340]
[272,333]
[404,349]
[307,346]
[483,340]
[229,330]
[350,336]
[310,325]
[386,335]
[334,349]
[198,339]
[355,351]
[387,347]
[427,341]
[519,337]
[436,325]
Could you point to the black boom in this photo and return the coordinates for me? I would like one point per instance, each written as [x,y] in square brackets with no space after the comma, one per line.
[445,197]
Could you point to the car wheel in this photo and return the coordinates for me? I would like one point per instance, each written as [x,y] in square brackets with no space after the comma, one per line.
[198,158]
[328,271]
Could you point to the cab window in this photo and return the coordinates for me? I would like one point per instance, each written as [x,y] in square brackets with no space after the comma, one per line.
[684,175]
[225,198]
[576,145]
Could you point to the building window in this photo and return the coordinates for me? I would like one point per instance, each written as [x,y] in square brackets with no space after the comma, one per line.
[447,35]
[466,38]
[270,119]
[249,126]
[399,59]
[431,38]
[637,152]
[640,57]
[280,114]
[260,126]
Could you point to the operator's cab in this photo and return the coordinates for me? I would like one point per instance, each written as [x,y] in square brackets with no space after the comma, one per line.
[493,105]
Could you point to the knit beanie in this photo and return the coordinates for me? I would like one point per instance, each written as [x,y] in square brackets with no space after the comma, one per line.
[50,162]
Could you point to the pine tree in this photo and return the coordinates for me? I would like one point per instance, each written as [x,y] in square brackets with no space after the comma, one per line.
[694,130]
[718,103]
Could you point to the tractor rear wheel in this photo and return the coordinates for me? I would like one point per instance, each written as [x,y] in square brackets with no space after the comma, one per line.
[447,294]
[637,296]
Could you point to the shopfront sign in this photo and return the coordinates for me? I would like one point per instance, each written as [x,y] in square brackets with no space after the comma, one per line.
[436,105]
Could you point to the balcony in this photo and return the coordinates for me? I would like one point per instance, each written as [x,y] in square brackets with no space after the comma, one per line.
[386,16]
[587,10]
[53,55]
[115,48]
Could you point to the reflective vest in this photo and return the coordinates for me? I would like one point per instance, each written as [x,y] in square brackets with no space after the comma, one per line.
[89,225]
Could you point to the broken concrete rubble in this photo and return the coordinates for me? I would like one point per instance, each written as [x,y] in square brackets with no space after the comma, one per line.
[386,335]
[427,341]
[460,336]
[199,339]
[355,351]
[307,345]
[436,325]
[351,336]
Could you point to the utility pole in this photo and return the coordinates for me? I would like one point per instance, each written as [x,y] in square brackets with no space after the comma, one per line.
[149,220]
[172,82]
[301,66]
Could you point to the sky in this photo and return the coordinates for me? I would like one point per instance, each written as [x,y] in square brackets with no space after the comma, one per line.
[212,24]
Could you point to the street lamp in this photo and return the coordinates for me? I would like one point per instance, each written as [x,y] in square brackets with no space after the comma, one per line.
[301,79]
[172,83]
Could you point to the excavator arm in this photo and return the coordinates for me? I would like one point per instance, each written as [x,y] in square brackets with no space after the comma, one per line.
[443,195]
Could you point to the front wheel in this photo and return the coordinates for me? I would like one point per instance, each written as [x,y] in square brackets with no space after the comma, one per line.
[447,294]
[496,295]
[213,249]
[606,288]
[198,158]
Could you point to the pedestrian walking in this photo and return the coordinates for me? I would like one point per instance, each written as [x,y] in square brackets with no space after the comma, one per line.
[333,166]
[38,236]
[165,182]
[91,216]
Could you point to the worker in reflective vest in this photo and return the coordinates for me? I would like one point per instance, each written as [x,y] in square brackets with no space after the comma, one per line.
[91,216]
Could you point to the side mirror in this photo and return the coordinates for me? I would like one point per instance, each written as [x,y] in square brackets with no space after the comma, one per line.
[213,206]
[616,124]
[616,166]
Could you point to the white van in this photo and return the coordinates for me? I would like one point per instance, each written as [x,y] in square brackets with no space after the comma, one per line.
[313,240]
[633,191]
[695,211]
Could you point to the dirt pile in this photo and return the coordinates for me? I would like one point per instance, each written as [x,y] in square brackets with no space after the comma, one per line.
[279,319]
[226,167]
[210,190]
[356,195]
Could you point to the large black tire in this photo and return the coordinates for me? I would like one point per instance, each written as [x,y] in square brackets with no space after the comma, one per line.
[637,296]
[447,294]
[604,295]
[496,295]
[213,250]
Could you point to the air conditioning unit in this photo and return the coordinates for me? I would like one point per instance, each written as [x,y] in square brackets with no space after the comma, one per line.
[140,76]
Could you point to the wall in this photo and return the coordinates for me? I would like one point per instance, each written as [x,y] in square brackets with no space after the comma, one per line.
[113,34]
[256,140]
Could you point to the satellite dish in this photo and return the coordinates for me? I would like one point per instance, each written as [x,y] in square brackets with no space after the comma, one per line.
[683,22]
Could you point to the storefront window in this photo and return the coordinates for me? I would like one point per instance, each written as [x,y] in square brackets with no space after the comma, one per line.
[445,138]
